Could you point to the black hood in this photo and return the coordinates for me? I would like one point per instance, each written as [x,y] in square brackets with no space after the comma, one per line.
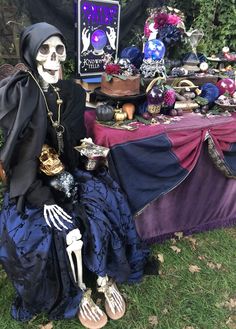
[31,39]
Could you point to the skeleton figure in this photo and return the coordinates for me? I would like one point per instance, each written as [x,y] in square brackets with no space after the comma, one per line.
[49,237]
[50,54]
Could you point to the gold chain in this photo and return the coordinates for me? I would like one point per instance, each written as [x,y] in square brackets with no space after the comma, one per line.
[59,102]
[57,123]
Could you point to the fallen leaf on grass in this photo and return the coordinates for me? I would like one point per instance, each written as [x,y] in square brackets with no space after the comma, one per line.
[165,311]
[202,257]
[179,235]
[160,258]
[188,327]
[192,241]
[175,249]
[231,322]
[214,266]
[194,268]
[49,325]
[173,241]
[153,320]
[230,304]
[161,273]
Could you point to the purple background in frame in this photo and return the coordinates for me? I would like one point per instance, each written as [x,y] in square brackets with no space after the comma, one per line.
[98,24]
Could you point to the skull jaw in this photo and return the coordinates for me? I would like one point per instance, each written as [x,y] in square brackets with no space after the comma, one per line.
[49,161]
[53,168]
[49,75]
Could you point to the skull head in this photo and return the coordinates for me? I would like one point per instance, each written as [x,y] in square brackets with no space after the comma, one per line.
[50,54]
[50,164]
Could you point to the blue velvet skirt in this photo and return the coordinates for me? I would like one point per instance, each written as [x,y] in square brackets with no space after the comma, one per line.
[35,259]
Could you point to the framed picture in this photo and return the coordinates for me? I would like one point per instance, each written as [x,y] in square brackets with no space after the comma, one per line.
[97,32]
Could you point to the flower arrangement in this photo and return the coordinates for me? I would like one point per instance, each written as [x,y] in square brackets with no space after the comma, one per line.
[122,68]
[165,24]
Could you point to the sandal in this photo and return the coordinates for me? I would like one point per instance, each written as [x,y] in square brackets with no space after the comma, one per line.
[90,315]
[114,302]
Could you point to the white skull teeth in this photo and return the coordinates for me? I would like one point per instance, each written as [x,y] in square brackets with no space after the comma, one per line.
[51,72]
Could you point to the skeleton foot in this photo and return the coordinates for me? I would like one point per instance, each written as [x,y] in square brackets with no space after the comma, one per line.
[114,302]
[90,315]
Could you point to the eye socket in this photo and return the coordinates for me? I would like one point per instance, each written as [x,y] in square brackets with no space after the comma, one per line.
[44,49]
[60,49]
[53,151]
[44,157]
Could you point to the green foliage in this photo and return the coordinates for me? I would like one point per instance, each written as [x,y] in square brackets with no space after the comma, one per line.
[217,19]
[124,3]
[68,69]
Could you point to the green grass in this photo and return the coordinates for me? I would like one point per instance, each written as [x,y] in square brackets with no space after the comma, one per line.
[175,299]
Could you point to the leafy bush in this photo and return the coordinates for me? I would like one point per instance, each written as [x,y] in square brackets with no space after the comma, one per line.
[215,17]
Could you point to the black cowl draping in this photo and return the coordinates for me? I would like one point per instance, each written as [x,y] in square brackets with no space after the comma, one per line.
[23,114]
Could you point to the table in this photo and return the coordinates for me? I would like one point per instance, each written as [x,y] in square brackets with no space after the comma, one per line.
[170,181]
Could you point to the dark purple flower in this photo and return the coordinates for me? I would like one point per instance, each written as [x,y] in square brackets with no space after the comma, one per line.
[169,34]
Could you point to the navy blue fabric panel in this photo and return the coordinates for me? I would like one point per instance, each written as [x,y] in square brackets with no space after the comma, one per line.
[232,148]
[230,158]
[145,169]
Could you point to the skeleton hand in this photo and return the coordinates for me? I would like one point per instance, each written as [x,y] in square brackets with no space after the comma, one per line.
[111,35]
[85,39]
[53,213]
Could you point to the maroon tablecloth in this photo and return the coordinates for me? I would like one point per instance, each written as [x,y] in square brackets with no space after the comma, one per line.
[204,199]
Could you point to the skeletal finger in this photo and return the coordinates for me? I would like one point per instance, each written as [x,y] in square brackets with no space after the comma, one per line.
[94,312]
[53,220]
[62,213]
[112,306]
[87,311]
[117,295]
[118,300]
[91,314]
[55,224]
[58,212]
[118,304]
[111,302]
[46,217]
[59,221]
[99,311]
[84,314]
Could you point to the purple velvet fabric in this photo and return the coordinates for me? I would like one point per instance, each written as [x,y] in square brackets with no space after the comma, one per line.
[204,200]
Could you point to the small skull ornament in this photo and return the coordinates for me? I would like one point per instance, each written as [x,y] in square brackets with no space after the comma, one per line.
[50,164]
[49,57]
